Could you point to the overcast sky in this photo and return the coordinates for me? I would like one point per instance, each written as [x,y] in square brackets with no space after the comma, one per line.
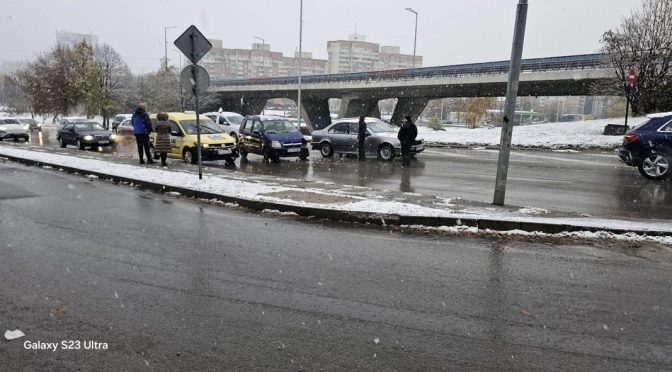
[449,32]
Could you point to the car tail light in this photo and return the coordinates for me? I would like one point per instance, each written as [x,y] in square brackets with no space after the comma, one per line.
[631,137]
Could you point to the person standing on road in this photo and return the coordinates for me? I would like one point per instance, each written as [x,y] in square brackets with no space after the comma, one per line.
[406,136]
[162,145]
[361,136]
[142,127]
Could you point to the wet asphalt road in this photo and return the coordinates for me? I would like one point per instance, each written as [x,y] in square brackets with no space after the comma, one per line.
[172,284]
[593,183]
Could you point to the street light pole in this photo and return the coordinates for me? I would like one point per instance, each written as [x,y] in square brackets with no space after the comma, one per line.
[263,54]
[165,46]
[298,103]
[415,36]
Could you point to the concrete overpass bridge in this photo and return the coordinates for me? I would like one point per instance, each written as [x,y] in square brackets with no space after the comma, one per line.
[414,88]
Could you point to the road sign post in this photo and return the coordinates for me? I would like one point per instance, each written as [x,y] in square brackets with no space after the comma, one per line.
[194,78]
[631,80]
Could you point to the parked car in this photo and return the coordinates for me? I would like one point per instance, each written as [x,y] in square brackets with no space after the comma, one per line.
[648,147]
[125,129]
[32,123]
[341,138]
[271,136]
[215,144]
[14,129]
[85,134]
[119,119]
[228,121]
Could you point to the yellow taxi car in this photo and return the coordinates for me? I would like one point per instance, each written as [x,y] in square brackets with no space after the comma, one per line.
[215,144]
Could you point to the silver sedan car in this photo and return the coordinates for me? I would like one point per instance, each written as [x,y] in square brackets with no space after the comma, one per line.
[341,138]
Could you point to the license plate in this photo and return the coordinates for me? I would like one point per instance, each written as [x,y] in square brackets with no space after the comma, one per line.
[223,151]
[293,150]
[103,142]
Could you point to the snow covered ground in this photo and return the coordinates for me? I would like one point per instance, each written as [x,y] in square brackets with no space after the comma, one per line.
[271,192]
[568,135]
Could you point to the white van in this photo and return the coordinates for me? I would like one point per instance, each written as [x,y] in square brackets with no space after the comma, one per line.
[228,121]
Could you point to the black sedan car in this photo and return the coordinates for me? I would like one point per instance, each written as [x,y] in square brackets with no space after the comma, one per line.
[85,134]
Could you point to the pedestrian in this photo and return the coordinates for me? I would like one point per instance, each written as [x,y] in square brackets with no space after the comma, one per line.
[406,136]
[361,136]
[142,127]
[162,145]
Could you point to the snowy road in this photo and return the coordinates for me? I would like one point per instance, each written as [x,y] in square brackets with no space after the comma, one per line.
[591,183]
[172,284]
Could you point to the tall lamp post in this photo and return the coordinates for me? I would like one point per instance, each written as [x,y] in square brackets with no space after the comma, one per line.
[165,46]
[298,101]
[263,54]
[415,37]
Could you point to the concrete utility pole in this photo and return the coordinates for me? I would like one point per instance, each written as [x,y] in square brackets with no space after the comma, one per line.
[415,37]
[298,103]
[165,46]
[510,111]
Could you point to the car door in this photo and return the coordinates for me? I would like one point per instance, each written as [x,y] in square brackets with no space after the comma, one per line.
[339,136]
[256,137]
[176,139]
[68,134]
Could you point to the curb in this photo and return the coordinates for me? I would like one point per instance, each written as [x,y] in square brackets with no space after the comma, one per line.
[380,219]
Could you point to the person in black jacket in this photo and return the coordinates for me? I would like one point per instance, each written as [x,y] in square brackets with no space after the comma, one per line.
[142,127]
[361,136]
[406,136]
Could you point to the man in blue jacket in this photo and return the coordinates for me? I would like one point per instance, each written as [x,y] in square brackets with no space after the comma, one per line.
[142,127]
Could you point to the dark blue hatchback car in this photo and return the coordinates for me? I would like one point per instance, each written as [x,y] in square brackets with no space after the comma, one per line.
[649,147]
[271,136]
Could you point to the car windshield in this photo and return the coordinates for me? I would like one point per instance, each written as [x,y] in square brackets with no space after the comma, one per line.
[279,126]
[207,126]
[381,127]
[235,119]
[28,121]
[88,126]
[9,121]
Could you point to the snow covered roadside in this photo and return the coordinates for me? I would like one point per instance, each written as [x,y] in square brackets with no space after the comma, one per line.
[257,191]
[569,135]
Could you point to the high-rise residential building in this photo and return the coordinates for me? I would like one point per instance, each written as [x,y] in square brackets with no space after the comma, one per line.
[70,39]
[260,61]
[356,54]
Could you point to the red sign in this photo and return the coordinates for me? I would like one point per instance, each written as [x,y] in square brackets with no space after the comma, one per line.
[632,76]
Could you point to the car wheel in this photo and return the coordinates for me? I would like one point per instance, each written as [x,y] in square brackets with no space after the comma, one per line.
[189,156]
[80,145]
[266,153]
[303,157]
[242,151]
[61,142]
[326,149]
[386,152]
[655,166]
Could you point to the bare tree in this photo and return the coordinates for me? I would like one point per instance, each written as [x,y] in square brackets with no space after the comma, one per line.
[642,41]
[115,81]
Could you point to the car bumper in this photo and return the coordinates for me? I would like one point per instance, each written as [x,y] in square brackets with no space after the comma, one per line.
[627,157]
[99,143]
[217,154]
[12,135]
[290,152]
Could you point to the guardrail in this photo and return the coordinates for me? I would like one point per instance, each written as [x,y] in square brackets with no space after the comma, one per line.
[575,62]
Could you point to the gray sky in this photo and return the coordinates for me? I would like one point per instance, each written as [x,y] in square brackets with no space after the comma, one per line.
[449,32]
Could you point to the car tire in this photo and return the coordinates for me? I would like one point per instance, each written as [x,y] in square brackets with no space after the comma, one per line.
[656,165]
[242,151]
[303,157]
[188,156]
[326,149]
[61,142]
[266,154]
[386,152]
[80,145]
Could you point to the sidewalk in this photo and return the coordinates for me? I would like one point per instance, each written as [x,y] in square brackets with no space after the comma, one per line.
[337,202]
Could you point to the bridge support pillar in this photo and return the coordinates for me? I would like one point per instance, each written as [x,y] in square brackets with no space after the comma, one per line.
[252,106]
[352,107]
[317,111]
[412,107]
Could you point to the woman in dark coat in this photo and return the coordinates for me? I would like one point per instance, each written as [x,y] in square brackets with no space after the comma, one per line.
[162,145]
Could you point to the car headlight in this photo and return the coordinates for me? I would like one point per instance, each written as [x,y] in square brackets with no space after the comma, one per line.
[26,127]
[276,144]
[113,137]
[88,138]
[3,129]
[205,145]
[39,125]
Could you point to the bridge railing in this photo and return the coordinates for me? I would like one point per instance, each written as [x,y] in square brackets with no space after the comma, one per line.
[575,62]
